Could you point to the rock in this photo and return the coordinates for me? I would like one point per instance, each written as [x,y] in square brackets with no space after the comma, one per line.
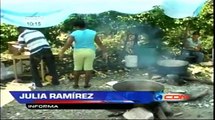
[138,113]
[195,94]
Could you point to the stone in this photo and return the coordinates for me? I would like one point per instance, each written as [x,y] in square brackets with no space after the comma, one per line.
[138,113]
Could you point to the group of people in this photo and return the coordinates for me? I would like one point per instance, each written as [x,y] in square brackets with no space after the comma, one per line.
[83,52]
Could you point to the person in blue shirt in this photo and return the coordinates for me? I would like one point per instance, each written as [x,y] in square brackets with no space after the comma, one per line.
[84,51]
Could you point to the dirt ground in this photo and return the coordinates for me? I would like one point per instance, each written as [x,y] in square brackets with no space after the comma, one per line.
[201,108]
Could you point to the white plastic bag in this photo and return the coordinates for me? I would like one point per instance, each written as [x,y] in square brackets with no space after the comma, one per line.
[5,74]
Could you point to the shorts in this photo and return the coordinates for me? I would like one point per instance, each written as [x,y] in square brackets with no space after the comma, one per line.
[83,59]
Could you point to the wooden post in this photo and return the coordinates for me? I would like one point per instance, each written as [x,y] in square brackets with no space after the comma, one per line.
[22,69]
[14,68]
[212,78]
[42,71]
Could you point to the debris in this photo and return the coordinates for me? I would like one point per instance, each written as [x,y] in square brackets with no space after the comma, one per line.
[200,105]
[206,105]
[17,114]
[177,114]
[156,77]
[145,74]
[17,81]
[186,104]
[116,114]
[211,101]
[111,83]
[120,71]
[32,86]
[138,113]
[178,91]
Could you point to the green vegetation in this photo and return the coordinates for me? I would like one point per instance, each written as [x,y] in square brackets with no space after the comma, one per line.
[113,28]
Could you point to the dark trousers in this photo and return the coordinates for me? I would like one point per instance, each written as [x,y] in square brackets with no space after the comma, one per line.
[47,56]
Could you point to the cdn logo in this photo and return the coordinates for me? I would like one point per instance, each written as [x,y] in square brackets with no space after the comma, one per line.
[171,97]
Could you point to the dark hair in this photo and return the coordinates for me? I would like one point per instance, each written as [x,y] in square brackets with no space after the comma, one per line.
[21,29]
[196,33]
[79,23]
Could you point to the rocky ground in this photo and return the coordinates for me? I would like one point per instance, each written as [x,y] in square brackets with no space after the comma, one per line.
[201,108]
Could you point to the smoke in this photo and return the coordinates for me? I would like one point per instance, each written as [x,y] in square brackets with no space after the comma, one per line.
[143,39]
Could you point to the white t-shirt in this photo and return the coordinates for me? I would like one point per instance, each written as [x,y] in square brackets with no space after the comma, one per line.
[34,39]
[193,44]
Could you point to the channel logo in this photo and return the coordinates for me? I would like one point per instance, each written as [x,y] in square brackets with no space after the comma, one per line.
[171,97]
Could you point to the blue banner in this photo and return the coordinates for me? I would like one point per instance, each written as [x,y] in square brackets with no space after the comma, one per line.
[137,97]
[47,13]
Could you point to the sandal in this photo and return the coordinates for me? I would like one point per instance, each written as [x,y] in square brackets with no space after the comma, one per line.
[87,86]
[75,86]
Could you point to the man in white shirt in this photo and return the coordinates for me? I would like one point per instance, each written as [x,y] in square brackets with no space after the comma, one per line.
[192,47]
[39,49]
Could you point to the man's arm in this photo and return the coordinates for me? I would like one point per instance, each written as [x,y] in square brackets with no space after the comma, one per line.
[199,47]
[21,42]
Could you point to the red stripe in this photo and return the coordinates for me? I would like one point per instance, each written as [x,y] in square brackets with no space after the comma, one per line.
[68,102]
